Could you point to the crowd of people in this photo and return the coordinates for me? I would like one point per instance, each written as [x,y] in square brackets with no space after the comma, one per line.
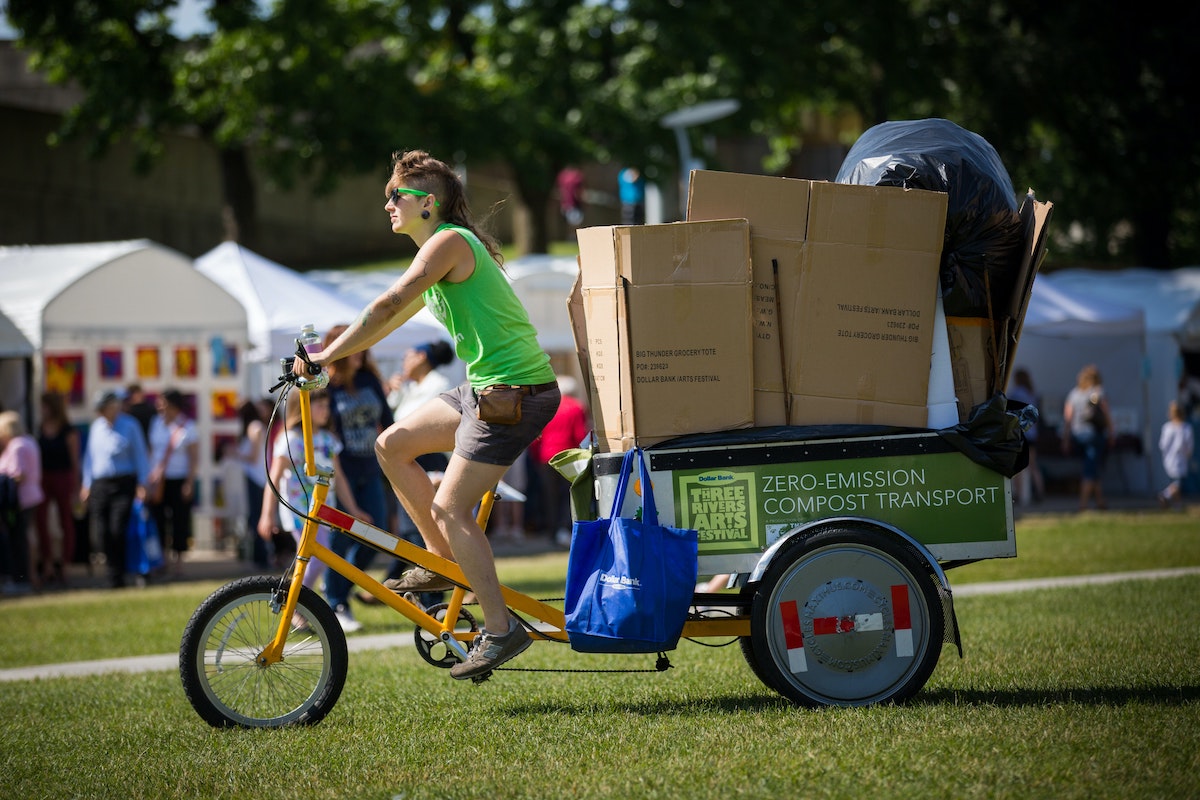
[1089,433]
[75,488]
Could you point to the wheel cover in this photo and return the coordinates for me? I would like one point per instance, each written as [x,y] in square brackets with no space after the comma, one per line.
[847,625]
[255,695]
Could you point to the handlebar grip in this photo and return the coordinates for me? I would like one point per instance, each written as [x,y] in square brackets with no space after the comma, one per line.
[311,368]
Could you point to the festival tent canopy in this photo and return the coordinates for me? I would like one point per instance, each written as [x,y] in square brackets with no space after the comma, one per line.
[15,355]
[542,282]
[279,301]
[13,343]
[1056,311]
[1167,297]
[103,315]
[79,293]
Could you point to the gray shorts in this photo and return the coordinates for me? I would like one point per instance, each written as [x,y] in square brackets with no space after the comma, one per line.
[490,443]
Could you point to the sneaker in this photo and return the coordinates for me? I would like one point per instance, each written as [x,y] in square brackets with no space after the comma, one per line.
[418,579]
[489,651]
[348,622]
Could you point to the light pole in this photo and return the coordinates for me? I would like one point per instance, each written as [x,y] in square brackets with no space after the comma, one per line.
[679,121]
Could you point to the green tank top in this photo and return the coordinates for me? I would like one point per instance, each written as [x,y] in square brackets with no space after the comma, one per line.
[490,328]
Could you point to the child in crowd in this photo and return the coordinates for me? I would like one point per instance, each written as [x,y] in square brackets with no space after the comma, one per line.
[1177,445]
[288,474]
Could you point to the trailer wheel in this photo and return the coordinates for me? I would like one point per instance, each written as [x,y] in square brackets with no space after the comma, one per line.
[846,617]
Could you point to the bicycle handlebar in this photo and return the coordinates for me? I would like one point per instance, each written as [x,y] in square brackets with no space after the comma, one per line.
[291,377]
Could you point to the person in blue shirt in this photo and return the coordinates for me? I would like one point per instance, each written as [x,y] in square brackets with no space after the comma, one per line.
[116,466]
[632,186]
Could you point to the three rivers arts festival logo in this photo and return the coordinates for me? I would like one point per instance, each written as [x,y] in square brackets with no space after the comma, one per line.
[722,507]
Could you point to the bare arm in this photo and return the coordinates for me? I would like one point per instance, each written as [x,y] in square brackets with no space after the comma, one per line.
[445,256]
[270,503]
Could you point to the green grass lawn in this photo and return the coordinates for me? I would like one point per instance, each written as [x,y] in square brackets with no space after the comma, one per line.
[1087,692]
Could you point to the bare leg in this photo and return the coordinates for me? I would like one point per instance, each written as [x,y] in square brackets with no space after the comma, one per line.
[445,516]
[429,429]
[464,483]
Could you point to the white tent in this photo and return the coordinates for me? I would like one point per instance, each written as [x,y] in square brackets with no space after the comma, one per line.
[16,366]
[279,301]
[107,314]
[542,282]
[1063,331]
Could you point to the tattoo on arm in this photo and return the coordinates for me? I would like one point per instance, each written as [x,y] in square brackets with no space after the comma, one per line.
[421,262]
[394,298]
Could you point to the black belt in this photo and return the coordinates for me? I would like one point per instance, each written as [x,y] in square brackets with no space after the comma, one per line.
[540,387]
[536,388]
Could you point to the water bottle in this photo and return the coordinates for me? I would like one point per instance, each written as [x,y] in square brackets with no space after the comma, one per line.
[311,342]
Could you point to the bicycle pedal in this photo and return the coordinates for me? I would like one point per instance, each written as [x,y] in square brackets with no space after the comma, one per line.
[482,677]
[413,598]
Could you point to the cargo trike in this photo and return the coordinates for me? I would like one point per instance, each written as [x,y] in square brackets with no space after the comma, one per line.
[836,541]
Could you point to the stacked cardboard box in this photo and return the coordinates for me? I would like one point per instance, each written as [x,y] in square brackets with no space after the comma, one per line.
[779,301]
[845,282]
[660,321]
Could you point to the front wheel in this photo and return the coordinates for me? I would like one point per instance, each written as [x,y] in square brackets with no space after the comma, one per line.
[847,617]
[218,657]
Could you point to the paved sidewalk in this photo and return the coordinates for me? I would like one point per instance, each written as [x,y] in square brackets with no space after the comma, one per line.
[170,661]
[207,564]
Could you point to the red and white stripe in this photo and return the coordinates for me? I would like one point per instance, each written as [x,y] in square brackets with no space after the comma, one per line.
[789,613]
[903,620]
[343,521]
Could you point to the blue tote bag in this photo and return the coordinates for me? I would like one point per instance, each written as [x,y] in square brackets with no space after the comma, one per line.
[629,581]
[143,549]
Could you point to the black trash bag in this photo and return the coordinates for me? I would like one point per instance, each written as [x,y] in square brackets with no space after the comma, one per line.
[984,234]
[994,434]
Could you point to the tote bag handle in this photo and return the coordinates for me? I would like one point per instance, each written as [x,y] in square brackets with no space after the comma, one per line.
[649,509]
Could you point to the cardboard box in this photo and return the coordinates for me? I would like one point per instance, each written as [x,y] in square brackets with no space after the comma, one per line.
[852,271]
[981,350]
[662,311]
[777,209]
[973,361]
[1036,215]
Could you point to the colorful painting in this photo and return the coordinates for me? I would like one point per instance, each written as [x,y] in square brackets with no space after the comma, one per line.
[148,365]
[224,358]
[185,361]
[224,404]
[112,364]
[64,375]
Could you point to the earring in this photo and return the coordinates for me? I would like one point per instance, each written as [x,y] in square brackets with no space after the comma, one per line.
[425,214]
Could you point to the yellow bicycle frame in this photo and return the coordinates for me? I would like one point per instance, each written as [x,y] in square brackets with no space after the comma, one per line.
[444,629]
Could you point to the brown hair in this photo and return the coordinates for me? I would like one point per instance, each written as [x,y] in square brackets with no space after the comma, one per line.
[1089,376]
[292,417]
[56,408]
[419,170]
[340,372]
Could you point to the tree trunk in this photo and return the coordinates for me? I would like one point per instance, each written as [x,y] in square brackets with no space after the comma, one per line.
[239,211]
[536,199]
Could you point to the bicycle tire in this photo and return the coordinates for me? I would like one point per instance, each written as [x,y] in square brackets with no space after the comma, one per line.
[218,658]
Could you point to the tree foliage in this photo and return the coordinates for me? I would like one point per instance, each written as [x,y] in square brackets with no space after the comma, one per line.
[1088,107]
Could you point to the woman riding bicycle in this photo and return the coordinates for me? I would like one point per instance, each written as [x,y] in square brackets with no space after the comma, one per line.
[456,274]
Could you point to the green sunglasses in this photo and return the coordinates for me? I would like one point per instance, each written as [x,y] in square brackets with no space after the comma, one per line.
[394,195]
